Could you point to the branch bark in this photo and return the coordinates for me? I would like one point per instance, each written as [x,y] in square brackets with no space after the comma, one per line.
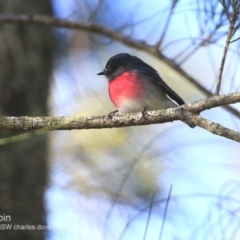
[188,112]
[97,29]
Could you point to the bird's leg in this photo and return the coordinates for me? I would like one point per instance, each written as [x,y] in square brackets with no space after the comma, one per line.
[111,114]
[144,113]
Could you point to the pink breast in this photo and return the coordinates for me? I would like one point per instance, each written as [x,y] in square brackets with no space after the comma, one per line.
[127,86]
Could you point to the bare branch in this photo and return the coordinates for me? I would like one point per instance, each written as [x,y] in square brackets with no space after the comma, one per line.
[214,128]
[190,110]
[165,212]
[159,43]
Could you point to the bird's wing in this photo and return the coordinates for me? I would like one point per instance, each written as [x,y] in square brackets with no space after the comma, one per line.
[155,77]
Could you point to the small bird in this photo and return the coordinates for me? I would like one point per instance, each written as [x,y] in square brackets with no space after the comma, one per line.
[134,86]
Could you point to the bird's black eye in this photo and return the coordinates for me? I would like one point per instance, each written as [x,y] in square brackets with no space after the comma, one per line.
[115,67]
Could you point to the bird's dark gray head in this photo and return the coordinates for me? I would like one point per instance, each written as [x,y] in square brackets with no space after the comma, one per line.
[120,63]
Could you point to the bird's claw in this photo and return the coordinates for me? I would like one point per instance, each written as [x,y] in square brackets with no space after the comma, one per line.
[144,113]
[111,114]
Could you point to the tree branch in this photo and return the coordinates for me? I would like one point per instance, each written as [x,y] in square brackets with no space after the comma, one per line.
[97,29]
[214,128]
[190,111]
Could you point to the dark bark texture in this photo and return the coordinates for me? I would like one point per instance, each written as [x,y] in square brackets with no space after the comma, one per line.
[26,54]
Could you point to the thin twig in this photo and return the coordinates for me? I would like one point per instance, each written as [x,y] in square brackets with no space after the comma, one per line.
[95,12]
[230,34]
[165,212]
[149,214]
[197,47]
[219,81]
[159,43]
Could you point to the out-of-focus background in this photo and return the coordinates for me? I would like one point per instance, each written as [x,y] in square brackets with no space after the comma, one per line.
[117,183]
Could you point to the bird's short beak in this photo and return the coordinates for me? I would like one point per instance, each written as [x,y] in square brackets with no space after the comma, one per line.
[102,73]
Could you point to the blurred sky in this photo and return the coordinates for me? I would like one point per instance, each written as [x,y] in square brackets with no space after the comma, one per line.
[202,168]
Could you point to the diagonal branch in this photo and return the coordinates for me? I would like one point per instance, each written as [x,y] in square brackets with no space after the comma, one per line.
[214,128]
[97,29]
[160,41]
[190,110]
